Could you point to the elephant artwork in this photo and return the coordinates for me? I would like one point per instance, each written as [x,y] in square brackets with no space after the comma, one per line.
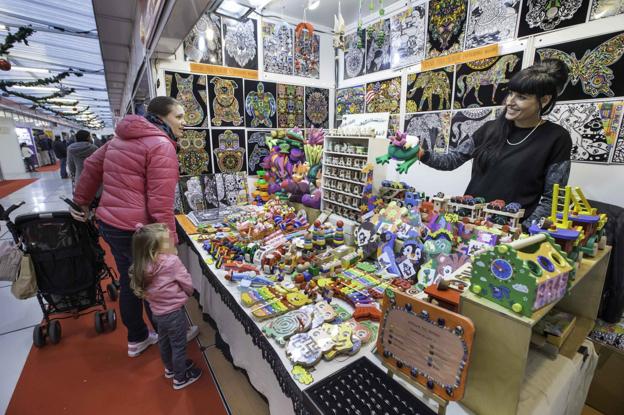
[226,95]
[429,91]
[431,127]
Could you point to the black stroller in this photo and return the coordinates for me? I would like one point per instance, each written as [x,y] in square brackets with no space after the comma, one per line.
[69,265]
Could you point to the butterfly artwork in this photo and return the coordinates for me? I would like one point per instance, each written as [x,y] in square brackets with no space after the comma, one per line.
[378,46]
[592,128]
[432,127]
[290,106]
[307,55]
[543,15]
[446,27]
[354,54]
[350,101]
[240,43]
[429,91]
[190,91]
[203,43]
[260,104]
[257,150]
[483,83]
[594,65]
[226,99]
[408,36]
[277,41]
[491,21]
[606,8]
[228,147]
[464,123]
[384,96]
[618,147]
[194,152]
[316,107]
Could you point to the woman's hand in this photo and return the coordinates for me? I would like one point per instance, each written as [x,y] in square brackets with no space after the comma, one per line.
[80,215]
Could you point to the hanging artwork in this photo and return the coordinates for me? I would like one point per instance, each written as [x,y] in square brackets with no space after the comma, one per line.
[447,26]
[408,36]
[465,122]
[277,41]
[429,91]
[178,208]
[290,106]
[350,101]
[260,104]
[190,91]
[483,83]
[210,191]
[226,98]
[491,21]
[543,15]
[190,189]
[228,147]
[592,126]
[257,150]
[394,124]
[593,64]
[432,127]
[194,152]
[307,54]
[316,107]
[354,54]
[378,46]
[203,43]
[240,43]
[606,8]
[618,150]
[232,189]
[384,96]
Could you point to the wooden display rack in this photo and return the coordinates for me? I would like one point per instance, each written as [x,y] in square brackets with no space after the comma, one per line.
[501,346]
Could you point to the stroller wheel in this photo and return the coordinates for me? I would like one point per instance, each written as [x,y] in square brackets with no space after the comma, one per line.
[99,326]
[54,331]
[38,336]
[112,292]
[111,317]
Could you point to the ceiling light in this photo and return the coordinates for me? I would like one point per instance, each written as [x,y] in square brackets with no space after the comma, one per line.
[37,88]
[233,10]
[62,100]
[313,4]
[3,27]
[25,69]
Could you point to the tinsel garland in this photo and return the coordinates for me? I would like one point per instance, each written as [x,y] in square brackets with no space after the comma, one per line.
[21,35]
[40,82]
[59,94]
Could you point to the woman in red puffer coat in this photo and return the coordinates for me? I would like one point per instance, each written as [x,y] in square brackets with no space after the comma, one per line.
[138,172]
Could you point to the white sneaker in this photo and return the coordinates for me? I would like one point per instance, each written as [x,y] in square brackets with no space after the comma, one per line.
[136,348]
[191,333]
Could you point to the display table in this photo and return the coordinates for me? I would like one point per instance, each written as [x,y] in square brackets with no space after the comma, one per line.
[550,384]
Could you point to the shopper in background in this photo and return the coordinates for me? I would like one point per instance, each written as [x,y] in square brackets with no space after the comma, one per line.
[138,170]
[96,141]
[60,151]
[27,153]
[158,276]
[78,152]
[42,155]
[519,156]
[47,145]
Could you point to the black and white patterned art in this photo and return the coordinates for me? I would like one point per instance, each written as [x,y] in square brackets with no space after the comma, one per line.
[433,127]
[465,122]
[378,46]
[240,43]
[232,189]
[257,150]
[618,147]
[543,15]
[408,36]
[491,21]
[203,43]
[606,8]
[277,41]
[354,54]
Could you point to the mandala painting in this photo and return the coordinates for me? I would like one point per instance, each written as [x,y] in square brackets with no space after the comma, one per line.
[277,39]
[465,122]
[378,46]
[542,15]
[350,101]
[232,189]
[595,66]
[432,127]
[257,150]
[592,126]
[194,153]
[190,91]
[290,106]
[307,55]
[605,8]
[316,107]
[618,150]
[483,83]
[491,21]
[226,98]
[260,104]
[408,36]
[240,42]
[384,96]
[429,91]
[203,43]
[447,26]
[354,54]
[228,147]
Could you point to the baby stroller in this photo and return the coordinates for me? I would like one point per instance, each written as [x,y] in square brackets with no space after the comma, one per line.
[69,266]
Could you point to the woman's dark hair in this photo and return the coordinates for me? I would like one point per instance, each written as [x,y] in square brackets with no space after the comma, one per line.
[83,135]
[546,78]
[161,106]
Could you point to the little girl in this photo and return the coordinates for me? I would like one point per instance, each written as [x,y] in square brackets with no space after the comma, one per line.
[158,276]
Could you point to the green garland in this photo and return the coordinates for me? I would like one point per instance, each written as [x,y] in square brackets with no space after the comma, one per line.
[40,82]
[60,94]
[21,35]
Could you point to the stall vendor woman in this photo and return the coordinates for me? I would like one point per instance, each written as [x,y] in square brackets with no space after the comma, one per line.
[518,156]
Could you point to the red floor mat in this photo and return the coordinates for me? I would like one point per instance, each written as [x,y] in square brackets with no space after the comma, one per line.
[52,167]
[9,186]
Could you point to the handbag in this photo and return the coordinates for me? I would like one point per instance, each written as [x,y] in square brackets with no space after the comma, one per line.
[10,260]
[26,284]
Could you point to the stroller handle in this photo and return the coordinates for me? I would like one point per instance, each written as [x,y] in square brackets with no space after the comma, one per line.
[70,203]
[4,213]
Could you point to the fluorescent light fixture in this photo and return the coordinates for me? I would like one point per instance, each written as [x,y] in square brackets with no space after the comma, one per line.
[33,70]
[313,4]
[3,27]
[37,88]
[233,10]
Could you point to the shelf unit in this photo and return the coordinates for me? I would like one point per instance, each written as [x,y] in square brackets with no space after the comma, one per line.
[502,340]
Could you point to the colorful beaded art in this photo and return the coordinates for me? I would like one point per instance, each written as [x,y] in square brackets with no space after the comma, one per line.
[429,91]
[277,39]
[317,107]
[408,36]
[354,54]
[203,43]
[226,96]
[465,122]
[350,101]
[543,15]
[307,55]
[229,150]
[192,156]
[190,91]
[433,127]
[260,104]
[290,106]
[447,25]
[240,43]
[384,96]
[257,150]
[491,21]
[378,43]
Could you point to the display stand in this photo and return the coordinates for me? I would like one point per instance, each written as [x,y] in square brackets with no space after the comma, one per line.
[497,374]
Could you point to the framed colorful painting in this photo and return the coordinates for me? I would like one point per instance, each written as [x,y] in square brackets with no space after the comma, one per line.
[260,104]
[539,16]
[429,91]
[277,51]
[354,54]
[190,91]
[203,43]
[226,101]
[408,36]
[491,21]
[378,46]
[290,106]
[257,150]
[446,27]
[240,43]
[228,148]
[434,127]
[316,107]
[350,101]
[465,122]
[384,96]
[194,152]
[307,55]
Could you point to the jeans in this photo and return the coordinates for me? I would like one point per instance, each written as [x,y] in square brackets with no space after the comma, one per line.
[131,306]
[64,168]
[172,341]
[30,167]
[52,156]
